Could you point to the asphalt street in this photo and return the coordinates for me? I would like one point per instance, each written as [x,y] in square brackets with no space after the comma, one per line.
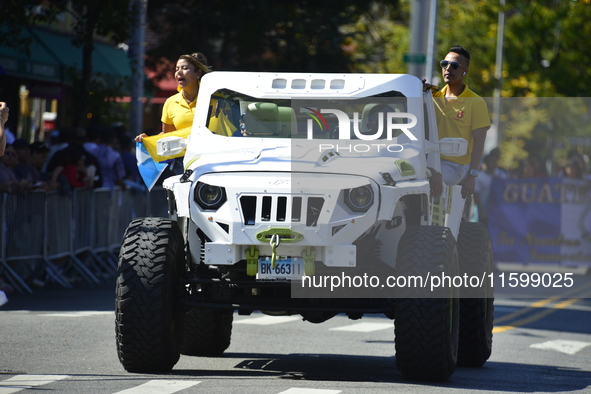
[63,341]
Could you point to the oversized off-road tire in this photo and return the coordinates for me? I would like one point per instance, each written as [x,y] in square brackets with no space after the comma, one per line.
[476,303]
[149,317]
[426,329]
[207,332]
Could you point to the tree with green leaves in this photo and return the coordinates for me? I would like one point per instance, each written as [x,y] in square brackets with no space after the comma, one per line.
[91,18]
[256,35]
[546,55]
[379,38]
[546,45]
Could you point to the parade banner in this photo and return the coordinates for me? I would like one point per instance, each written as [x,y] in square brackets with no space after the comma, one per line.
[541,221]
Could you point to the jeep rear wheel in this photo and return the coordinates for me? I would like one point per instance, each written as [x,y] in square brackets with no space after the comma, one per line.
[149,317]
[207,332]
[426,329]
[477,307]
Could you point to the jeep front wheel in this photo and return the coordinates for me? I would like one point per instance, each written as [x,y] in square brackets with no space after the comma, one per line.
[149,317]
[426,329]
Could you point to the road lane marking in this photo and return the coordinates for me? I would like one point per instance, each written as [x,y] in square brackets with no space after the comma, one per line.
[536,316]
[536,305]
[506,308]
[295,390]
[364,327]
[24,382]
[562,345]
[523,311]
[160,387]
[267,320]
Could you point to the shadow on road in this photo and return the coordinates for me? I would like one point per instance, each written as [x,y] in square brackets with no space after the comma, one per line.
[493,376]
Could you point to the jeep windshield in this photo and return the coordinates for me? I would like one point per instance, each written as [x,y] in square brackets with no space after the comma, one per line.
[233,114]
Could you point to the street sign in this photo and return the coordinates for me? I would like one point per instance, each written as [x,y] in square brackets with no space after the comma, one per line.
[419,58]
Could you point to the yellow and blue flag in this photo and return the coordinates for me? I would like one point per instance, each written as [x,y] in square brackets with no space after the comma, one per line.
[150,170]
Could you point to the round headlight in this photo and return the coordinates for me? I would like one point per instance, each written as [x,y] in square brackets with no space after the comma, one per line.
[359,199]
[209,196]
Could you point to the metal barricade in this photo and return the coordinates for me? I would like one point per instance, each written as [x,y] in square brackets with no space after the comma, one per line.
[82,202]
[59,238]
[121,214]
[101,227]
[157,205]
[59,225]
[8,273]
[139,204]
[83,231]
[83,236]
[26,230]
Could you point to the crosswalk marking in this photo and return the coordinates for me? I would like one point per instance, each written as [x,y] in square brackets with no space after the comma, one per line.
[161,387]
[562,345]
[364,327]
[266,320]
[23,382]
[295,390]
[77,314]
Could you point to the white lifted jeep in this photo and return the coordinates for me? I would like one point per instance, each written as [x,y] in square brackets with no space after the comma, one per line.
[307,194]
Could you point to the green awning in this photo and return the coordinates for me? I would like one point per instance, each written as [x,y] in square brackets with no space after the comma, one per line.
[116,61]
[53,53]
[39,65]
[108,62]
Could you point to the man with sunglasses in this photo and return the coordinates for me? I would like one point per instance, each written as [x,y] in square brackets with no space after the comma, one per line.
[461,113]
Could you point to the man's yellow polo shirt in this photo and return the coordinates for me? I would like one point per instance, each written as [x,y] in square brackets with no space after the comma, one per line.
[177,112]
[458,117]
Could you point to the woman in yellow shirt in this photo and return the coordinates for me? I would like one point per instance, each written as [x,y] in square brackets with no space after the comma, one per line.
[179,109]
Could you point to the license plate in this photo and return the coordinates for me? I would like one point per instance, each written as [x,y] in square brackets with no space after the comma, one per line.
[285,268]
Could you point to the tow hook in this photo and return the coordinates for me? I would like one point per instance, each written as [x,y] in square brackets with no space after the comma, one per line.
[275,242]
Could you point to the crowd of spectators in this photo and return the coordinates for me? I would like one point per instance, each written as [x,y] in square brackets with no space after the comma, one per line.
[576,167]
[100,156]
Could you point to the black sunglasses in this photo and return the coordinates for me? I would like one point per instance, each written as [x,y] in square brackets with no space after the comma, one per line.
[454,65]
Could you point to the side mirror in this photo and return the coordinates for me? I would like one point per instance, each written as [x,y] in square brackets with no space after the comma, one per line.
[169,146]
[453,146]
